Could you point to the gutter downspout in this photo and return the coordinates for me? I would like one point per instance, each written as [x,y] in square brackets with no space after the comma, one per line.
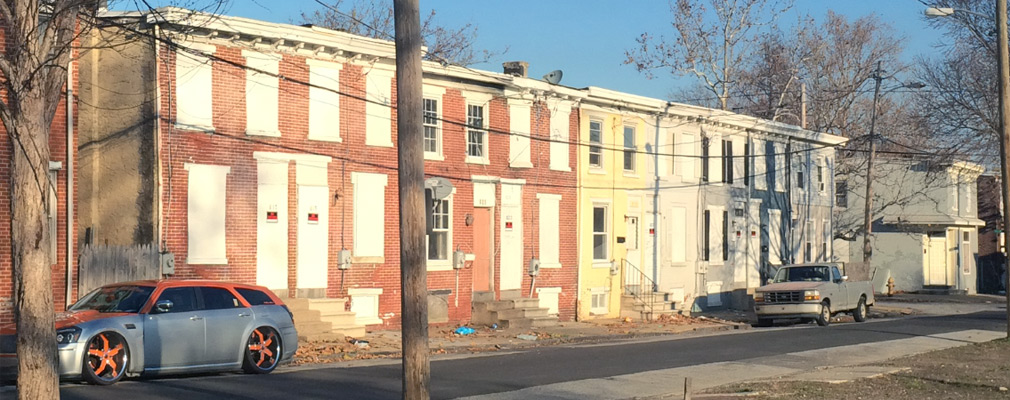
[70,184]
[157,145]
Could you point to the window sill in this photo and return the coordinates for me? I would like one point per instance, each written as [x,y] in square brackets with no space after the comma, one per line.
[630,174]
[368,260]
[596,171]
[384,144]
[552,265]
[563,168]
[208,129]
[332,139]
[521,164]
[268,133]
[477,160]
[206,261]
[433,157]
[602,264]
[439,265]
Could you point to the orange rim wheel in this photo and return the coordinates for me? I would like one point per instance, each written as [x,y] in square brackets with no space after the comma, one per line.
[106,358]
[263,349]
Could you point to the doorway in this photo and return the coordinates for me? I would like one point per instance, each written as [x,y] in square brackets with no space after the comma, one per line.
[482,249]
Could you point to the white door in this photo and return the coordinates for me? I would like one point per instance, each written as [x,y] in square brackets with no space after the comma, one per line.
[650,252]
[633,276]
[313,236]
[511,235]
[272,225]
[753,234]
[937,261]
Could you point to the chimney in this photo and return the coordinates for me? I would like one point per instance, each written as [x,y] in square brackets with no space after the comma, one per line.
[516,68]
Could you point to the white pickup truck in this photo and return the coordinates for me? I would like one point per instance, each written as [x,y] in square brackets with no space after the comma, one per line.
[811,291]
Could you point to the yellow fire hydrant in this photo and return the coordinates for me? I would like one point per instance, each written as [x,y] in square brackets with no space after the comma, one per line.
[890,286]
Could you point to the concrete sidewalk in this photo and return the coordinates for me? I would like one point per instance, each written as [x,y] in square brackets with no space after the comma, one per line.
[819,365]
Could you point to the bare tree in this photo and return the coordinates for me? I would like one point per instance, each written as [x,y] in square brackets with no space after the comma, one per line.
[444,44]
[38,37]
[710,50]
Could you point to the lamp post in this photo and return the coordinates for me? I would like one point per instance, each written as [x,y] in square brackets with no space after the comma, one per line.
[1003,58]
[878,76]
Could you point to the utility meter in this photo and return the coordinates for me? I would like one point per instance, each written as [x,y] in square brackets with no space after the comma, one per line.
[534,267]
[344,259]
[458,259]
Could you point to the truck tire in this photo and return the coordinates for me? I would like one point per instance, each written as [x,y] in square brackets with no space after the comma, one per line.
[824,318]
[764,322]
[859,314]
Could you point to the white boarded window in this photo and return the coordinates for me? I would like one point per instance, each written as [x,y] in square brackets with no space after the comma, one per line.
[685,151]
[519,125]
[324,101]
[378,111]
[715,160]
[760,166]
[599,300]
[205,214]
[775,237]
[262,94]
[193,89]
[548,235]
[678,234]
[559,135]
[549,298]
[780,167]
[716,235]
[369,214]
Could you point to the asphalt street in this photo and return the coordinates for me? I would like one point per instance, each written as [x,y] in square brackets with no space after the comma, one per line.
[495,373]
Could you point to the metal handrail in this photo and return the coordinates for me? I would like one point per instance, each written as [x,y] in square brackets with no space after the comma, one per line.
[636,276]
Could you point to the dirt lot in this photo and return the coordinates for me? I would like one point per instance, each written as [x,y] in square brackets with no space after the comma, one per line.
[977,371]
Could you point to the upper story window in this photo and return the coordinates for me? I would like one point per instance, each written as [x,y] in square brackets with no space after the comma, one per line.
[476,135]
[822,182]
[629,148]
[596,144]
[800,173]
[194,89]
[704,158]
[727,161]
[432,128]
[841,194]
[600,234]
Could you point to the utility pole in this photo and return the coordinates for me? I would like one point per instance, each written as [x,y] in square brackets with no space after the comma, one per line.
[1004,143]
[413,276]
[868,212]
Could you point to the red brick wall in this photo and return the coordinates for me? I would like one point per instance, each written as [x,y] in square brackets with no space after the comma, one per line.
[58,152]
[231,147]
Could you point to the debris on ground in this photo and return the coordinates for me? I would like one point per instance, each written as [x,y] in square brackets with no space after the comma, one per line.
[464,330]
[526,337]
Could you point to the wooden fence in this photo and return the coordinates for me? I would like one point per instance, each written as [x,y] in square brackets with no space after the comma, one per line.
[102,264]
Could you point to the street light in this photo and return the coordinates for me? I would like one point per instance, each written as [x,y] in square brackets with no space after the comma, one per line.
[1003,58]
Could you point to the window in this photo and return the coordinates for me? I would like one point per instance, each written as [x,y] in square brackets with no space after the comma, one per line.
[808,240]
[519,123]
[685,149]
[600,234]
[822,185]
[255,297]
[476,136]
[629,148]
[560,112]
[438,238]
[548,234]
[727,161]
[432,130]
[800,173]
[369,214]
[205,213]
[707,224]
[194,89]
[599,300]
[218,298]
[378,108]
[775,236]
[760,166]
[842,194]
[725,236]
[704,159]
[262,94]
[595,144]
[324,100]
[825,239]
[746,164]
[678,221]
[779,166]
[183,298]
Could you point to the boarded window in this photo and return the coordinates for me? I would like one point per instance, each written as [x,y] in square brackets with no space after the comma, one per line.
[369,214]
[206,214]
[324,101]
[194,83]
[262,94]
[548,235]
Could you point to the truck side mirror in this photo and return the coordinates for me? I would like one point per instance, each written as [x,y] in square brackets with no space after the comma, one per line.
[845,278]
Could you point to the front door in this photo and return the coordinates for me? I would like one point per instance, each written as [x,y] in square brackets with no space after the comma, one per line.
[937,261]
[753,246]
[178,337]
[633,257]
[313,238]
[650,264]
[482,267]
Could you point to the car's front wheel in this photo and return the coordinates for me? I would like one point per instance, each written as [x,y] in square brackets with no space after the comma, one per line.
[824,318]
[859,314]
[106,358]
[262,352]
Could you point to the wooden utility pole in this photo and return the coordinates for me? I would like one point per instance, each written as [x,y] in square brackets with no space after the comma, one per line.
[413,276]
[1004,143]
[868,211]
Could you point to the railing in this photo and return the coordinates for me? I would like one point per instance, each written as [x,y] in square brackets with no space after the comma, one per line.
[636,283]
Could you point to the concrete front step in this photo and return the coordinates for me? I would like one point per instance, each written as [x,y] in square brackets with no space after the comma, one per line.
[524,323]
[312,327]
[329,306]
[520,313]
[355,331]
[339,319]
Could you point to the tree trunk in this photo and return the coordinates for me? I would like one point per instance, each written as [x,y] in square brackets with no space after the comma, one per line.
[33,291]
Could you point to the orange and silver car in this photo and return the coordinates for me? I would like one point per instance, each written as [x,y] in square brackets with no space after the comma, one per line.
[172,326]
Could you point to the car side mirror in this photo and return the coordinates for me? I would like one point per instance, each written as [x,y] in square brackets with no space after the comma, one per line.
[845,278]
[163,306]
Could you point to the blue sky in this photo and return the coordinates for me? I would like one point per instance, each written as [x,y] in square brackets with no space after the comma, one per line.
[587,38]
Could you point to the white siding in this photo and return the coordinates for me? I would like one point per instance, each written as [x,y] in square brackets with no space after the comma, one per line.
[262,94]
[685,149]
[378,114]
[548,236]
[205,212]
[324,102]
[194,89]
[369,214]
[715,159]
[519,125]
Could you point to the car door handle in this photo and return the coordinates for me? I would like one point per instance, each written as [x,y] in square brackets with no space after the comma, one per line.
[245,315]
[195,318]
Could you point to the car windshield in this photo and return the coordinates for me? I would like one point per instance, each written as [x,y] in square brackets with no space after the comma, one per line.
[111,299]
[803,274]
